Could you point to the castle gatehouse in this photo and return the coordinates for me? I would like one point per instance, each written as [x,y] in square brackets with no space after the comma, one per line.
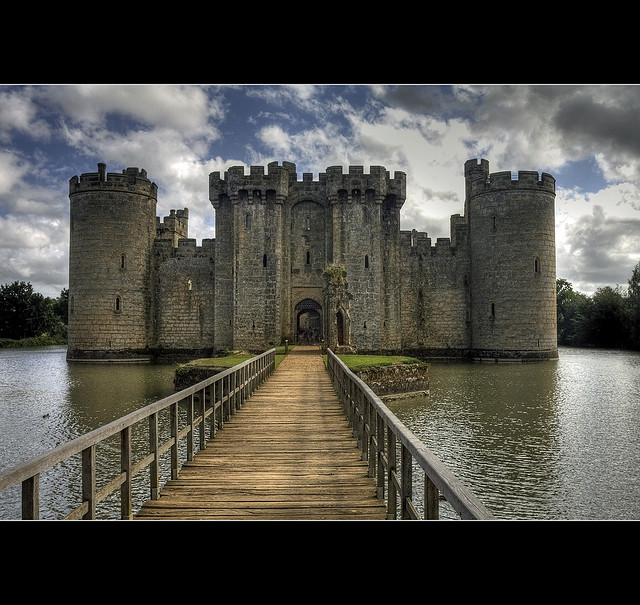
[314,261]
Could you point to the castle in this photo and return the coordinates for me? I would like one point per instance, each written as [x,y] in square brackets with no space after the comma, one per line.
[311,261]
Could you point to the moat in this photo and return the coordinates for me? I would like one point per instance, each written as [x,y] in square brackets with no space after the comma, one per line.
[549,440]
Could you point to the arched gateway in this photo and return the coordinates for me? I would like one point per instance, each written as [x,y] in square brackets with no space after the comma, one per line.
[308,321]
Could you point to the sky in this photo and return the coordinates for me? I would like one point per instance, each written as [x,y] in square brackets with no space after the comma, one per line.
[586,136]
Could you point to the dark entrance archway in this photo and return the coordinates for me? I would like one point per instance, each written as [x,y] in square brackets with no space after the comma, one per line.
[308,322]
[340,326]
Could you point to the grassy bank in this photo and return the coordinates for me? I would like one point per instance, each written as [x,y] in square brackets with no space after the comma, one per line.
[233,359]
[360,363]
[36,341]
[353,362]
[194,371]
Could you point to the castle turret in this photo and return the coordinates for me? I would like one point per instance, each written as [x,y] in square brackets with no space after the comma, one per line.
[174,227]
[365,215]
[276,236]
[112,230]
[513,265]
[249,240]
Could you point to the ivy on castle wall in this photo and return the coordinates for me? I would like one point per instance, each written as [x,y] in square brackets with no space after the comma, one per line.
[335,275]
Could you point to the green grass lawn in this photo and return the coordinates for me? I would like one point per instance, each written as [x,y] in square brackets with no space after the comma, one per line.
[36,341]
[233,360]
[359,363]
[221,362]
[356,363]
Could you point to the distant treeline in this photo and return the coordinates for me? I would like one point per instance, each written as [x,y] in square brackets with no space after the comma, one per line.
[28,318]
[610,318]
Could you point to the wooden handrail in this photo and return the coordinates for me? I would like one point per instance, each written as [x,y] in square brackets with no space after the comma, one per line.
[218,398]
[380,434]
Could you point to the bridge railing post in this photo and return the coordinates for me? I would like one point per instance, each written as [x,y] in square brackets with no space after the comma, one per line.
[223,400]
[154,468]
[373,448]
[173,421]
[236,380]
[247,384]
[203,403]
[406,471]
[89,481]
[431,499]
[392,493]
[362,422]
[190,424]
[353,409]
[380,456]
[31,498]
[210,402]
[125,469]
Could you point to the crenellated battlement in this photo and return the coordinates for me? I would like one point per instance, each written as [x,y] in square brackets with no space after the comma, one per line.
[131,180]
[235,184]
[189,247]
[479,180]
[185,248]
[357,182]
[420,243]
[282,181]
[174,226]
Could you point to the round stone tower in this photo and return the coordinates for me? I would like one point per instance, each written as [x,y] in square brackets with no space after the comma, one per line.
[513,263]
[112,229]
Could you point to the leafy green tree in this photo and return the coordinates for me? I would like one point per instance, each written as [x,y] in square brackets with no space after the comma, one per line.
[61,306]
[573,309]
[25,313]
[606,322]
[633,307]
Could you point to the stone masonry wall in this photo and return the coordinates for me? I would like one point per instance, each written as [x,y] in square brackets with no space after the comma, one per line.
[513,271]
[397,379]
[435,294]
[185,297]
[112,226]
[138,284]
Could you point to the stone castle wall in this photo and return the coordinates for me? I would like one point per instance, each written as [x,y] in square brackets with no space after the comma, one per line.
[140,284]
[184,295]
[435,294]
[513,266]
[112,227]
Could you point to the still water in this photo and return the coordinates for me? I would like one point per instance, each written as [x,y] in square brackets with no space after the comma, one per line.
[45,401]
[550,440]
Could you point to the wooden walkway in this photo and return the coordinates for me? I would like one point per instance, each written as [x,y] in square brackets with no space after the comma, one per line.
[287,454]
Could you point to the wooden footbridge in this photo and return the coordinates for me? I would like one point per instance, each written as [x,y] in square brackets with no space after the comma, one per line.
[305,441]
[288,453]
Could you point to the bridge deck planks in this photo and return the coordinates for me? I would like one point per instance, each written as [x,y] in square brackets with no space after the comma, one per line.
[287,454]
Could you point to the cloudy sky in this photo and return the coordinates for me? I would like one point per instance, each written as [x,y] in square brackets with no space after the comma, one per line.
[587,137]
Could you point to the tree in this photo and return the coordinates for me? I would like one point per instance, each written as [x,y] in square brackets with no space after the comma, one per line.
[573,309]
[633,307]
[61,306]
[606,323]
[25,313]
